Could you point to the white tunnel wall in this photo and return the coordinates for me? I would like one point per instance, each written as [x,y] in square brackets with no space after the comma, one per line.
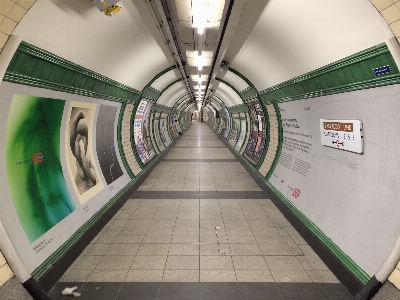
[351,198]
[77,31]
[173,94]
[294,37]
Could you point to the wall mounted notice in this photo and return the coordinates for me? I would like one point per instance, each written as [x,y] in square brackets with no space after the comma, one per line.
[342,134]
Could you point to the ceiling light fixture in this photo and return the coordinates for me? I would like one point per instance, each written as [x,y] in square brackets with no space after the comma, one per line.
[199,13]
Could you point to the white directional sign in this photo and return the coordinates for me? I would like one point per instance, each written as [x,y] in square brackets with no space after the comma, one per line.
[342,134]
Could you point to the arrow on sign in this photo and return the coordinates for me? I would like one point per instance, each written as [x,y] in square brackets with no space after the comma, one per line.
[337,143]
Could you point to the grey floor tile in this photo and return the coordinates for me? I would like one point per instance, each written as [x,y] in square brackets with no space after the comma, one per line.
[257,291]
[107,276]
[181,276]
[241,239]
[300,291]
[313,263]
[185,239]
[290,276]
[245,249]
[115,262]
[129,239]
[144,276]
[186,231]
[322,276]
[212,239]
[217,276]
[86,262]
[153,249]
[214,249]
[157,239]
[184,249]
[219,291]
[123,249]
[139,290]
[99,290]
[254,276]
[76,275]
[182,262]
[249,263]
[103,239]
[283,263]
[149,262]
[96,249]
[273,248]
[216,262]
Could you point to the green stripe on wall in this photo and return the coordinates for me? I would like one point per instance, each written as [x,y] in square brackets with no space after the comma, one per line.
[351,73]
[33,66]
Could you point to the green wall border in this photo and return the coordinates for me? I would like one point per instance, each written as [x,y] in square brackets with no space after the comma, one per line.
[352,73]
[33,66]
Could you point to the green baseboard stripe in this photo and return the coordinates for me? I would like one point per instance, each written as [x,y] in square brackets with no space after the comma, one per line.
[39,272]
[345,259]
[358,273]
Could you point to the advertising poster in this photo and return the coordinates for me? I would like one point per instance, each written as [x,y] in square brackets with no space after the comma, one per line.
[163,132]
[172,119]
[157,134]
[33,166]
[105,145]
[228,125]
[256,143]
[242,135]
[234,136]
[222,125]
[79,150]
[143,144]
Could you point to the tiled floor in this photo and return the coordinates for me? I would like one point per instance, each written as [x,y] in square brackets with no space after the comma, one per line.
[200,248]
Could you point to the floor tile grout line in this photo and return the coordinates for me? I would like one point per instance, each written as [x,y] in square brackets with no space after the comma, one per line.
[256,239]
[229,245]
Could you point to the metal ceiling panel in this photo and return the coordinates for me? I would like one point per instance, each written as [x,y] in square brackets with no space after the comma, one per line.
[184,10]
[215,10]
[186,31]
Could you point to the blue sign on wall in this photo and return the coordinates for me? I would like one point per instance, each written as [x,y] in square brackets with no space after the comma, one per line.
[382,70]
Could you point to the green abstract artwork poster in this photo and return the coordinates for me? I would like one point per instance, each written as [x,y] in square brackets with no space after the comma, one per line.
[34,173]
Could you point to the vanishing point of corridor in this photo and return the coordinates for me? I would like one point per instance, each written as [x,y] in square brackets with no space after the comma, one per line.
[199,227]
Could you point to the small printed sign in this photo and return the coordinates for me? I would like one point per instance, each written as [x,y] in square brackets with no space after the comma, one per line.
[342,134]
[382,70]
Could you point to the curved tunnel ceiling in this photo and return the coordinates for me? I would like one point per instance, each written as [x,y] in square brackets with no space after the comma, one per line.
[260,39]
[237,82]
[294,37]
[172,94]
[163,81]
[127,48]
[228,95]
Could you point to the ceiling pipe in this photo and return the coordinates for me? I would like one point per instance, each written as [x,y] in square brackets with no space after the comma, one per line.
[228,14]
[171,42]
